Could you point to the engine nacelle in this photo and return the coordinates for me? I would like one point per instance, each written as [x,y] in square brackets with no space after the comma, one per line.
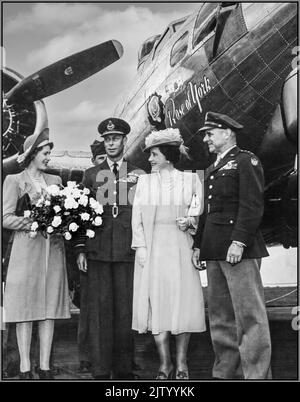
[19,120]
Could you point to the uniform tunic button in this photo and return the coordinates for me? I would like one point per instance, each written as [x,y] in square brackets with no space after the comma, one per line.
[209,197]
[212,177]
[114,192]
[231,221]
[210,186]
[115,182]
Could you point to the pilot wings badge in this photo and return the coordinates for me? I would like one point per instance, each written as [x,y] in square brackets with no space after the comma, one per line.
[229,165]
[130,178]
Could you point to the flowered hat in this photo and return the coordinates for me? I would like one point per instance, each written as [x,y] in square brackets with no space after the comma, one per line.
[169,136]
[34,141]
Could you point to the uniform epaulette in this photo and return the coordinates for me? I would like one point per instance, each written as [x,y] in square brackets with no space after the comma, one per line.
[247,152]
[254,159]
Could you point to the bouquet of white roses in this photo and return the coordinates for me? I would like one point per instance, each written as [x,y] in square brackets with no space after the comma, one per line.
[68,211]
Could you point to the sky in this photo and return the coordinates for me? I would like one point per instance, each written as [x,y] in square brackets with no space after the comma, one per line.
[38,34]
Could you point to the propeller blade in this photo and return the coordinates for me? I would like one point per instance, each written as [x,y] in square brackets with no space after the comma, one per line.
[66,72]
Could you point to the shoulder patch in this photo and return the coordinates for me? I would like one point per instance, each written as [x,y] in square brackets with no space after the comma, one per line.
[253,158]
[254,161]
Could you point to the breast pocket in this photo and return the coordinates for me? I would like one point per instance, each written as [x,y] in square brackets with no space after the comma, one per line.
[226,182]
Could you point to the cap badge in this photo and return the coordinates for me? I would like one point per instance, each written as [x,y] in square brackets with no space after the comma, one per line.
[110,125]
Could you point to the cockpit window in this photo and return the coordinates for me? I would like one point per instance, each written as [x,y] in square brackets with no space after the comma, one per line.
[179,49]
[163,40]
[221,28]
[178,24]
[203,24]
[146,48]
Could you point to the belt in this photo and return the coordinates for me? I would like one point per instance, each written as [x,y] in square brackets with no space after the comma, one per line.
[115,211]
[231,207]
[109,210]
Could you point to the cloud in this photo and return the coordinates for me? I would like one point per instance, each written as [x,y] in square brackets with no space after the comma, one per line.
[50,16]
[58,29]
[85,111]
[130,26]
[74,127]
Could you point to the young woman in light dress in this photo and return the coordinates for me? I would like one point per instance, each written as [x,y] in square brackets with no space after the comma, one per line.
[36,285]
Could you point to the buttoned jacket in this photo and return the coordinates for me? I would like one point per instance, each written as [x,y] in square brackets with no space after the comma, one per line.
[233,207]
[112,241]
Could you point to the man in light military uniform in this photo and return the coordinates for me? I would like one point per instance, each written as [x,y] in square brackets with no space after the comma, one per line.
[229,240]
[108,258]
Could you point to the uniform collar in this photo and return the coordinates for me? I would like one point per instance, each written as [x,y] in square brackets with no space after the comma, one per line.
[229,153]
[111,163]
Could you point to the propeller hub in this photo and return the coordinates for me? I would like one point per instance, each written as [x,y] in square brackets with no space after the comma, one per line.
[18,119]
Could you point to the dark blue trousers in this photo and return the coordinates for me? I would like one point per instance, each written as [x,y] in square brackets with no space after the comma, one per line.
[83,326]
[110,290]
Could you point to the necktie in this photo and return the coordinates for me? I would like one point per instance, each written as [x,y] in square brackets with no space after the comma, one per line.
[217,160]
[115,168]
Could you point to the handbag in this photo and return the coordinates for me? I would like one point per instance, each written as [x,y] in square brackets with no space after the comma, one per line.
[195,206]
[23,204]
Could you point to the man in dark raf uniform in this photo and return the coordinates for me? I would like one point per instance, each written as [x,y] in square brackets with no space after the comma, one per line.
[229,240]
[108,258]
[98,156]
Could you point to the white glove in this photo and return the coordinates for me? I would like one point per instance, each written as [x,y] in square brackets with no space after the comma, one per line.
[141,255]
[183,223]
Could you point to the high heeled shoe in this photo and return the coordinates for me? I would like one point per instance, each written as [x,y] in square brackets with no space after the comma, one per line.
[162,376]
[27,375]
[182,375]
[45,374]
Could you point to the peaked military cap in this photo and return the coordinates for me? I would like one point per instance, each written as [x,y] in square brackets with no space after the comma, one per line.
[113,126]
[97,148]
[218,120]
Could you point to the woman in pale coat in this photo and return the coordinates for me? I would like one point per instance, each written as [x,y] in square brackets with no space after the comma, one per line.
[167,288]
[36,284]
